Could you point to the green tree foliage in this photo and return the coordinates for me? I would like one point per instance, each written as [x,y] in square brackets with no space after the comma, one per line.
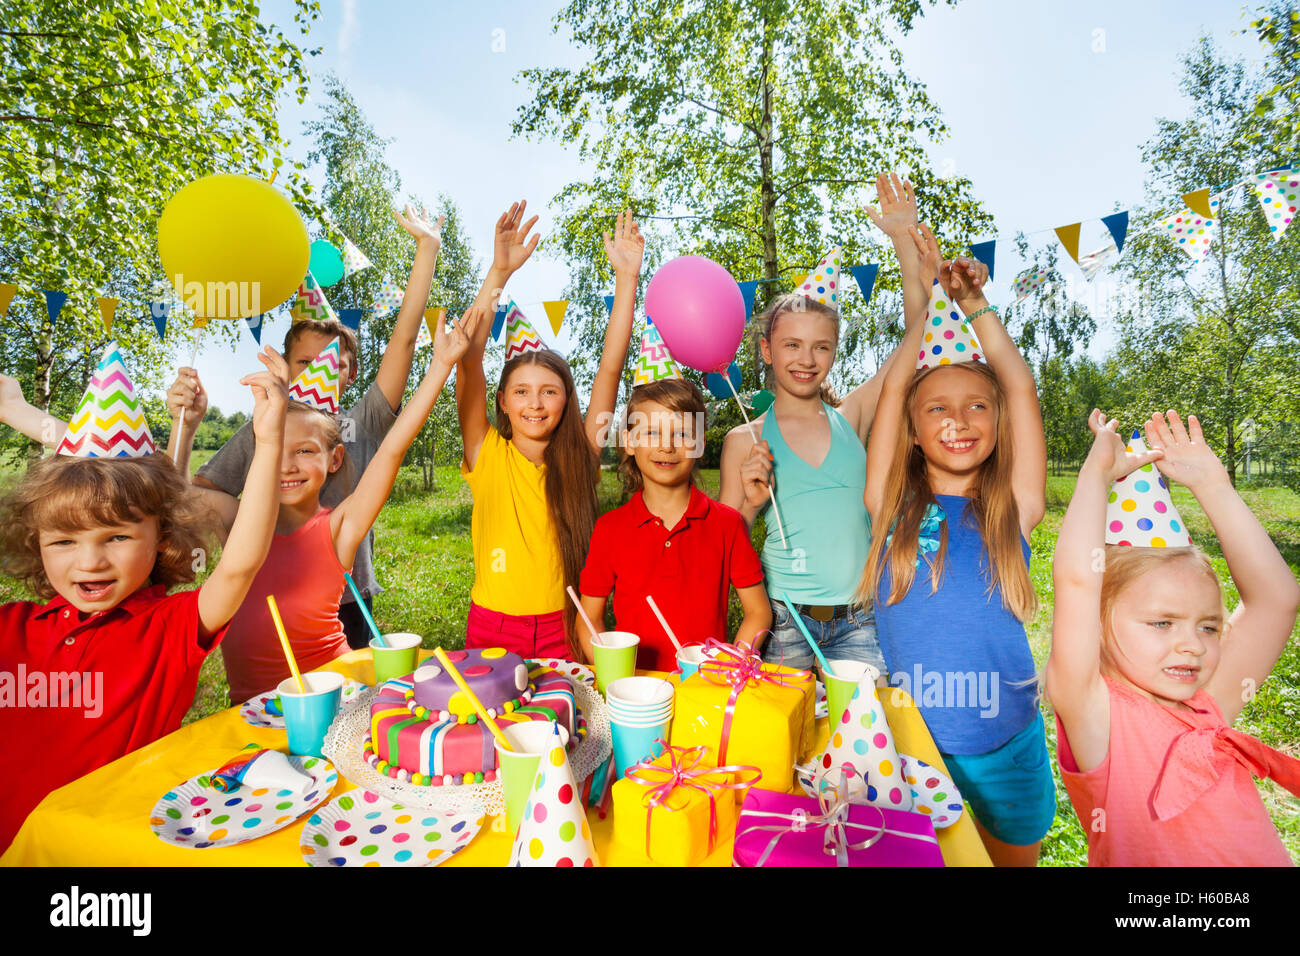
[1279,105]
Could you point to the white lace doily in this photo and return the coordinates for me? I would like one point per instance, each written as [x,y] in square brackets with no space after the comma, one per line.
[346,735]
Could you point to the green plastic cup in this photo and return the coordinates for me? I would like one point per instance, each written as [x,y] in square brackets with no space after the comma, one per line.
[518,768]
[613,656]
[397,659]
[841,685]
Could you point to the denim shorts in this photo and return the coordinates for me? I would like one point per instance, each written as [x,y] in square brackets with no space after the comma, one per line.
[1010,789]
[851,638]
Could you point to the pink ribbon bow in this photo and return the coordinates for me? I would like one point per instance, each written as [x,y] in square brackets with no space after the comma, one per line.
[1197,758]
[728,665]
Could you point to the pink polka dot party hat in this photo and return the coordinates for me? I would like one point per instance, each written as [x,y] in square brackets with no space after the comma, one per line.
[824,284]
[1139,511]
[553,830]
[948,338]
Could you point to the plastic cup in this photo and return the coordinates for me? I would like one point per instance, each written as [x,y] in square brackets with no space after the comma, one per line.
[634,742]
[307,716]
[689,659]
[639,693]
[841,684]
[613,656]
[518,769]
[397,659]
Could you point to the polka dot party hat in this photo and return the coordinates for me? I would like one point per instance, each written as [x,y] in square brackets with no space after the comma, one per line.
[948,338]
[109,421]
[1279,195]
[823,283]
[655,363]
[862,744]
[553,830]
[1139,510]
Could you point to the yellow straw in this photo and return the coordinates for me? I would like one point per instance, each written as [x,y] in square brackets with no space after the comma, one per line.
[445,661]
[284,643]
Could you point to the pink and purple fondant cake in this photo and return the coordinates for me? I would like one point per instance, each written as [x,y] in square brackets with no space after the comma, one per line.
[424,730]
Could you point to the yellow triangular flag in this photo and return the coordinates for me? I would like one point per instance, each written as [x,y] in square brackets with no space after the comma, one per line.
[434,315]
[7,290]
[799,281]
[1069,236]
[107,308]
[555,312]
[1199,202]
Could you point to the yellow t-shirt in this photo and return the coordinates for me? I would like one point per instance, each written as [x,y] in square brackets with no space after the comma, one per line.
[517,567]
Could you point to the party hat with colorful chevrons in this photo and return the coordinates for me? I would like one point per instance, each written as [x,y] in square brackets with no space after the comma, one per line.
[823,283]
[109,422]
[948,337]
[310,305]
[1139,510]
[655,363]
[318,384]
[521,337]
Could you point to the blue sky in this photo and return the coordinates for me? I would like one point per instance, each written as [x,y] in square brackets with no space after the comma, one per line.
[1048,105]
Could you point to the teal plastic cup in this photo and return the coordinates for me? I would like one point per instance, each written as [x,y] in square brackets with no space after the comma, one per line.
[635,741]
[689,659]
[398,659]
[307,717]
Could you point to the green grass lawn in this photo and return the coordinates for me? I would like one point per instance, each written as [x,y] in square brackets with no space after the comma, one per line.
[424,559]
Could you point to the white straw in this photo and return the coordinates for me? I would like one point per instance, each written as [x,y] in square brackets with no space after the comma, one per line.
[771,482]
[581,613]
[667,630]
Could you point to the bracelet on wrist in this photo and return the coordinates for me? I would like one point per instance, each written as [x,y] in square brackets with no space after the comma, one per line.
[975,315]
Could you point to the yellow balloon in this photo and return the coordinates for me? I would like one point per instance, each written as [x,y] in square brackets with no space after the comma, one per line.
[232,246]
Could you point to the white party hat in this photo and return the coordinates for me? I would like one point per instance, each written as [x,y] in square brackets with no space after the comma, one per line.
[1139,511]
[823,283]
[948,338]
[863,745]
[553,830]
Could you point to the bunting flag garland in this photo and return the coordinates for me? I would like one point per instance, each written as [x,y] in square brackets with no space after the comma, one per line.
[983,251]
[109,421]
[1193,233]
[318,384]
[7,290]
[948,337]
[429,327]
[1095,261]
[654,363]
[609,307]
[866,279]
[107,309]
[521,337]
[823,283]
[1069,236]
[158,312]
[390,297]
[1199,202]
[54,303]
[748,291]
[1279,195]
[255,326]
[555,313]
[1029,281]
[1117,223]
[310,305]
[354,260]
[351,318]
[499,319]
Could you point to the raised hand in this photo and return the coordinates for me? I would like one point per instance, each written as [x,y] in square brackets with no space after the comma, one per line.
[897,206]
[927,250]
[270,397]
[1187,459]
[1108,454]
[964,279]
[419,226]
[451,342]
[756,474]
[627,246]
[509,249]
[187,400]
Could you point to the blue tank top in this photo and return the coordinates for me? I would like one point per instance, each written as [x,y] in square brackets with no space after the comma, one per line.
[962,655]
[827,529]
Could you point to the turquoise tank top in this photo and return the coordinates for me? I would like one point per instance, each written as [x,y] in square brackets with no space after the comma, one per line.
[827,529]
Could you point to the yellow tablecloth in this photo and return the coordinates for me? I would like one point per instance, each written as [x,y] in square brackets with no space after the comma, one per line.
[103,818]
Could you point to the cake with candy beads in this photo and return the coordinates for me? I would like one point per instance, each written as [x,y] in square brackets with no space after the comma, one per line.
[424,730]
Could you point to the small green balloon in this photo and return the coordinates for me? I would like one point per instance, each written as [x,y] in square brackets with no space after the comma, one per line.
[326,265]
[762,401]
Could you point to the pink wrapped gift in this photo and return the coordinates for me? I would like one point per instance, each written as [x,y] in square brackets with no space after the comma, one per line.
[781,829]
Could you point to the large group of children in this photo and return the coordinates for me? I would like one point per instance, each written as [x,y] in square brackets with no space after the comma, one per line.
[905,513]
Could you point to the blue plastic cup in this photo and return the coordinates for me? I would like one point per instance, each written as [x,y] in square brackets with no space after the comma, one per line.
[689,659]
[307,717]
[635,742]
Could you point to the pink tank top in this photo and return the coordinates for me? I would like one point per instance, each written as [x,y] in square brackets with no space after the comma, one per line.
[304,574]
[1176,788]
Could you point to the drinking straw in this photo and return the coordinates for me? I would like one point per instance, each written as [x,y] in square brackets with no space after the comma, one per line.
[479,709]
[365,612]
[583,614]
[798,622]
[194,357]
[667,630]
[771,490]
[284,643]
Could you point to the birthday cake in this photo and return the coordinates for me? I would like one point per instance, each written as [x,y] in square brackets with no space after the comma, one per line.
[423,728]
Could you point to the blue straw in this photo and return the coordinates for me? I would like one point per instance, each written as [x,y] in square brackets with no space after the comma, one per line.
[798,622]
[365,612]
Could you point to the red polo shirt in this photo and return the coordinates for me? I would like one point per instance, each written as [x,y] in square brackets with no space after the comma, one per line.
[686,570]
[142,659]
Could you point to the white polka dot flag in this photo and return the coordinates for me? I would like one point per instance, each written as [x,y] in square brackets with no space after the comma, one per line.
[553,830]
[823,283]
[1191,231]
[1029,281]
[1279,195]
[948,338]
[862,744]
[1139,511]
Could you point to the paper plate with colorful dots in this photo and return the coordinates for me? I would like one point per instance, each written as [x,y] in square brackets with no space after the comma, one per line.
[933,794]
[197,815]
[255,711]
[362,828]
[567,668]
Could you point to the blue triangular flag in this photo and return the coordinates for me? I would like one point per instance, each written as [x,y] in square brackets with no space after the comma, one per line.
[255,326]
[158,311]
[351,318]
[1117,223]
[983,251]
[609,302]
[866,276]
[499,320]
[54,303]
[747,289]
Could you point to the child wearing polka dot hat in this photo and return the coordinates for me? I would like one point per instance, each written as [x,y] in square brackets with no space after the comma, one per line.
[1148,671]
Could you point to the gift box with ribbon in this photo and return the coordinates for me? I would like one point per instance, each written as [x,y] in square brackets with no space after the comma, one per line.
[743,711]
[778,829]
[676,807]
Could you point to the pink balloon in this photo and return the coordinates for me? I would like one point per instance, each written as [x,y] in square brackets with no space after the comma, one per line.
[699,311]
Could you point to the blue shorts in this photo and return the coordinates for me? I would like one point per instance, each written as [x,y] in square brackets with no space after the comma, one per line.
[1010,789]
[851,638]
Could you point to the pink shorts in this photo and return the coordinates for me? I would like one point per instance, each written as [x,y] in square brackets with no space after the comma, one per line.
[531,636]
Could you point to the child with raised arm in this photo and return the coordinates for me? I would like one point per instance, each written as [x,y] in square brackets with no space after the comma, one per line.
[101,540]
[1148,672]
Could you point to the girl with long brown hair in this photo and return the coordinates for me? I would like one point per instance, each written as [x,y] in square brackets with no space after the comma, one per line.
[534,475]
[956,474]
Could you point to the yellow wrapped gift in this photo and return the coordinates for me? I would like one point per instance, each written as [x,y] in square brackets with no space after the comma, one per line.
[674,808]
[746,712]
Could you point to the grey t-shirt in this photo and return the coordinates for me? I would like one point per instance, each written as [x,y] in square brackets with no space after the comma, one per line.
[372,417]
